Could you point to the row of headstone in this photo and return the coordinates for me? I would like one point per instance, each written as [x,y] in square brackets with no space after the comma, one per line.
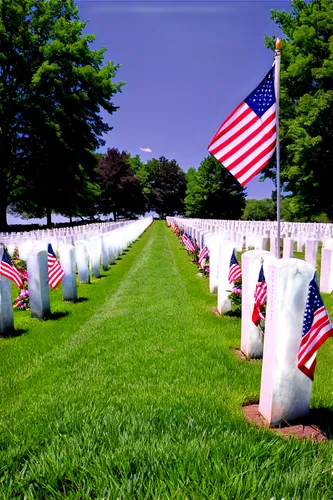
[27,240]
[205,229]
[255,234]
[285,390]
[85,255]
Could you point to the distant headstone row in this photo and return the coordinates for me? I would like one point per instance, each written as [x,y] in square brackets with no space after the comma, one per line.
[287,371]
[83,250]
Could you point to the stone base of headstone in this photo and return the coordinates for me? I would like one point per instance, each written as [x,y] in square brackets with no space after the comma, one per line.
[226,306]
[299,430]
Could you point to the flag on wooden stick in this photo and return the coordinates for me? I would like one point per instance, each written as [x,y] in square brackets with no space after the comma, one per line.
[56,272]
[202,255]
[317,328]
[8,269]
[260,298]
[235,272]
[246,140]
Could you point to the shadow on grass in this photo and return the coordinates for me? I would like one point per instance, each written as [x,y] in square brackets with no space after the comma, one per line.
[323,419]
[13,333]
[58,315]
[237,313]
[80,299]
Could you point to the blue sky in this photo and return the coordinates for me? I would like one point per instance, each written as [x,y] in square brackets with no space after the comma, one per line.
[187,64]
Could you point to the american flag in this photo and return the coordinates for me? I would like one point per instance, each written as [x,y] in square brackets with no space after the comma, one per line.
[56,272]
[235,271]
[189,245]
[246,140]
[203,255]
[317,327]
[8,269]
[184,238]
[260,298]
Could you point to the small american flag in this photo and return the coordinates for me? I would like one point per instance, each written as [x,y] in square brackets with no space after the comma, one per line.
[235,272]
[260,298]
[245,142]
[203,255]
[56,272]
[184,238]
[189,245]
[317,327]
[8,269]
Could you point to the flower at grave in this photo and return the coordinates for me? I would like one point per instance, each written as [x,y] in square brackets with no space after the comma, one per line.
[236,293]
[22,302]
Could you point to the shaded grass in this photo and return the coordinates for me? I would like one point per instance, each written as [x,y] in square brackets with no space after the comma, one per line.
[135,393]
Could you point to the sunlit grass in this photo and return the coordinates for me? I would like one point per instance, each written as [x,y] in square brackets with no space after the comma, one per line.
[136,392]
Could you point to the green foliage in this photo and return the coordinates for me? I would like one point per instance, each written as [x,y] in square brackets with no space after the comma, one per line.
[146,173]
[306,106]
[213,193]
[259,209]
[168,187]
[194,194]
[52,88]
[121,192]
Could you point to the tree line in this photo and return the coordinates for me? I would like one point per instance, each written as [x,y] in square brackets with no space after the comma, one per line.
[53,87]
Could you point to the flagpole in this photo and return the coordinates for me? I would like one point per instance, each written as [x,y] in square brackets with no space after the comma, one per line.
[277,101]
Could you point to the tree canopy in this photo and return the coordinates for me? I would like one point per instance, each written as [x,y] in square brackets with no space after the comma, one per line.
[168,187]
[306,105]
[213,193]
[121,193]
[52,88]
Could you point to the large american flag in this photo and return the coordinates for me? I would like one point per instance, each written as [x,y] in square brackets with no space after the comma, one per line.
[317,327]
[246,140]
[260,298]
[56,272]
[8,269]
[203,255]
[235,272]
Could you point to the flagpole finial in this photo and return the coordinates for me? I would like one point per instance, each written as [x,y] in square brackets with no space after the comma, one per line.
[278,44]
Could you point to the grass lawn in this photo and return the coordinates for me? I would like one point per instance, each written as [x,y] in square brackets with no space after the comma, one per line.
[135,392]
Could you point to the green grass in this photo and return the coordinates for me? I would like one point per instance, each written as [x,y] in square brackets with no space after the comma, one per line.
[135,392]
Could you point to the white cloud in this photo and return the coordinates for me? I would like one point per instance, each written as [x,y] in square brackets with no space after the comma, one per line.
[146,150]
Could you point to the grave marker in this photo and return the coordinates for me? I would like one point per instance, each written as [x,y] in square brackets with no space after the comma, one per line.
[285,391]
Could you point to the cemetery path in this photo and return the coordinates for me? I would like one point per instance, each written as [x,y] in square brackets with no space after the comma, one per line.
[135,393]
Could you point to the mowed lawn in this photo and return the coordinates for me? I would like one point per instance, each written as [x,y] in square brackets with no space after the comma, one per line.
[135,392]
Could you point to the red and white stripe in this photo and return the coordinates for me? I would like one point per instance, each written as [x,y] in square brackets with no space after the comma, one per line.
[245,143]
[320,331]
[260,296]
[203,255]
[55,271]
[189,245]
[11,272]
[235,273]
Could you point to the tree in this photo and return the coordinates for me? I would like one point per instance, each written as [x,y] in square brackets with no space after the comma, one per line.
[213,192]
[52,87]
[306,105]
[168,187]
[194,194]
[146,173]
[120,190]
[259,210]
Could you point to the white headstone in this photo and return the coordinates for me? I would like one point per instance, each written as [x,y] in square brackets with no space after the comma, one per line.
[326,271]
[38,283]
[285,391]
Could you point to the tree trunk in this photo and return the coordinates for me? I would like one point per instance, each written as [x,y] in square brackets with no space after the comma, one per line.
[48,218]
[71,220]
[114,216]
